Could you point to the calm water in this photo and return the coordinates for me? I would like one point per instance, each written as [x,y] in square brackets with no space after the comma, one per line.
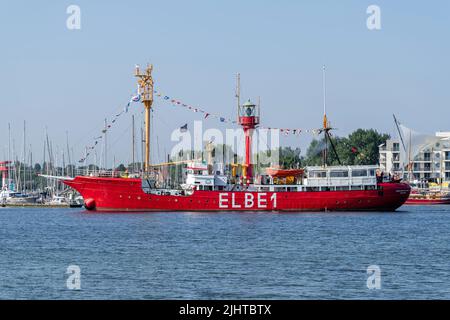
[225,256]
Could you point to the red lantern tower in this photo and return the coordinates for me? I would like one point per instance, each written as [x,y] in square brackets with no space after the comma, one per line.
[248,115]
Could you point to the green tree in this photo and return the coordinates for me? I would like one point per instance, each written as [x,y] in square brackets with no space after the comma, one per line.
[290,158]
[37,168]
[121,168]
[359,148]
[362,146]
[314,153]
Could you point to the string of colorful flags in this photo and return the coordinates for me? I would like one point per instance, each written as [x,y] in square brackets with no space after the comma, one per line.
[134,98]
[206,115]
[209,115]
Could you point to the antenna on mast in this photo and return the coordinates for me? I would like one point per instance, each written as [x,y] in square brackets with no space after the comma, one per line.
[325,122]
[326,126]
[238,93]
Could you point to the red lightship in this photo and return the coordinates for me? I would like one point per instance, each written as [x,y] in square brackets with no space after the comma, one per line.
[236,187]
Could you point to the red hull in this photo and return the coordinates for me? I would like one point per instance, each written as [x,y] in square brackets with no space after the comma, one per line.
[118,194]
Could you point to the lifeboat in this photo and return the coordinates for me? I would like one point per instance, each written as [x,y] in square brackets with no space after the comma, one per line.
[277,172]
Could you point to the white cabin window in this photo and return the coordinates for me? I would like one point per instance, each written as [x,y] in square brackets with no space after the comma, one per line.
[318,174]
[339,174]
[359,173]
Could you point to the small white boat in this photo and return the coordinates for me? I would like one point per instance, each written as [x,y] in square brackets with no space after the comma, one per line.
[8,197]
[58,201]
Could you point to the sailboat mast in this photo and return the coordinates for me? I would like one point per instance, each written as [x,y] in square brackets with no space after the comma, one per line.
[31,170]
[9,156]
[44,170]
[85,161]
[17,185]
[24,157]
[63,163]
[399,132]
[105,159]
[409,157]
[50,158]
[68,155]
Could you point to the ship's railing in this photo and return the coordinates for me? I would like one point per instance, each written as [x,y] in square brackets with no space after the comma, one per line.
[106,173]
[330,182]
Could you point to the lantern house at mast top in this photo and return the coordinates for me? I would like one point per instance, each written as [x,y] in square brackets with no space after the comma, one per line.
[248,115]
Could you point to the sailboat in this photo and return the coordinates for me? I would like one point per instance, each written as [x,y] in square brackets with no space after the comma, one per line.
[422,192]
[9,195]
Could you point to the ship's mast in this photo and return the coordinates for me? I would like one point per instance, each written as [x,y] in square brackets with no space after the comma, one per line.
[326,127]
[238,93]
[133,143]
[145,82]
[325,121]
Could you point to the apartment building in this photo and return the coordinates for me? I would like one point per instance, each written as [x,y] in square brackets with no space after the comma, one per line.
[432,163]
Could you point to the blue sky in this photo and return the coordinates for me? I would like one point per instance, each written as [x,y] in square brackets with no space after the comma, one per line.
[70,80]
